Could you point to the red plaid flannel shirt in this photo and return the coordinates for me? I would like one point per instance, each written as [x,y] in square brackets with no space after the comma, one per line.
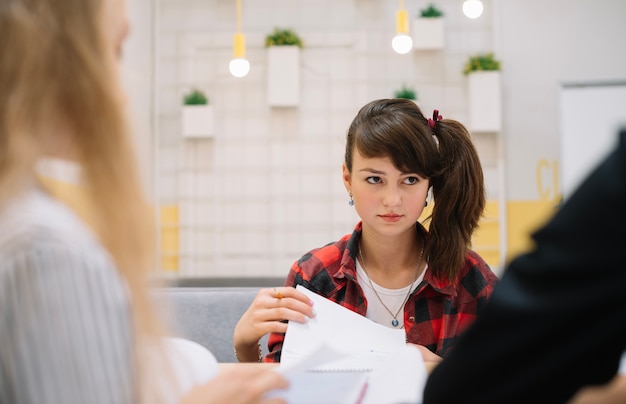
[435,314]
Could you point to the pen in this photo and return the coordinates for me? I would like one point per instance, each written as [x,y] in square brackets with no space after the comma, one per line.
[362,393]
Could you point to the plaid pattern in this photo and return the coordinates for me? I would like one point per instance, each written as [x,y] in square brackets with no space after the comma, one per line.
[435,314]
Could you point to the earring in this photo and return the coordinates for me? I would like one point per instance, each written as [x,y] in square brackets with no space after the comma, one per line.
[351,201]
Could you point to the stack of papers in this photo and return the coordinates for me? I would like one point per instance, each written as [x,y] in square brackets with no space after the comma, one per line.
[342,357]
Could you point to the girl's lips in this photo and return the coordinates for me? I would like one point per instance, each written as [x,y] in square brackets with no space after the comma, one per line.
[391,218]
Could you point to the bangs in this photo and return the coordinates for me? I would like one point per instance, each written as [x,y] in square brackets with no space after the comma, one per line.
[388,136]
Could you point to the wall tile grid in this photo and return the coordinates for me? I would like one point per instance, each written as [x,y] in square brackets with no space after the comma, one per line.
[267,187]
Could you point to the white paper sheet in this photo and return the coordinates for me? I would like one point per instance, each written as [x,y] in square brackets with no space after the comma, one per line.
[364,342]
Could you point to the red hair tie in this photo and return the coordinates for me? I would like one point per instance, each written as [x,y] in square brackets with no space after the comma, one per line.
[436,117]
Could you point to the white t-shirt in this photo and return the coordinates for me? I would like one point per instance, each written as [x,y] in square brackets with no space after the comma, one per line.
[393,298]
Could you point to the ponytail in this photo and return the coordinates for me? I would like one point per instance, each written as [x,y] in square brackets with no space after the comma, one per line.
[459,194]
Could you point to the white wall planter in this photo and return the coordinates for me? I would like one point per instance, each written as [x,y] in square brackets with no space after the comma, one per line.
[197,121]
[283,76]
[428,33]
[485,101]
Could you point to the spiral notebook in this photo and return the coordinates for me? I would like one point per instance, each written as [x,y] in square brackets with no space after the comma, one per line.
[367,361]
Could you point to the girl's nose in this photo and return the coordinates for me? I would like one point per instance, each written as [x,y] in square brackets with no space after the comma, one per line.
[392,196]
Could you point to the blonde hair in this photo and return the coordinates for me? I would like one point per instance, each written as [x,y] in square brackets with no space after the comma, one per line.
[58,73]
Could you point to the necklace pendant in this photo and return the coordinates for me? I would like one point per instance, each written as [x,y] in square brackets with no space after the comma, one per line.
[394,322]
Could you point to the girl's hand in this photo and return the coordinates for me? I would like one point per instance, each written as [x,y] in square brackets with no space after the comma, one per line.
[265,315]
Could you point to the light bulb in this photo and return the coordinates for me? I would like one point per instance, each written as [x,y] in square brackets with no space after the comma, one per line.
[402,43]
[239,67]
[472,8]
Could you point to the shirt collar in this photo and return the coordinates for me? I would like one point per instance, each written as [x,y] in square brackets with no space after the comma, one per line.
[442,286]
[347,267]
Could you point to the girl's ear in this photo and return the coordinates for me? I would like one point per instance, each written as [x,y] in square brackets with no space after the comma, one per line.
[347,178]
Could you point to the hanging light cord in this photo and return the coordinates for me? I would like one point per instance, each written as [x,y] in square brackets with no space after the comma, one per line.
[238,15]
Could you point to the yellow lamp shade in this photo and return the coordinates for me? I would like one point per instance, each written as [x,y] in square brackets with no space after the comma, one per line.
[239,46]
[402,22]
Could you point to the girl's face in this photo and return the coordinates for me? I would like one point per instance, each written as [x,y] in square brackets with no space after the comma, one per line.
[387,200]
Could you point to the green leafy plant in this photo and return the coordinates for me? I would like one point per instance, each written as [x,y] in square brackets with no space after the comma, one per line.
[431,12]
[406,92]
[481,62]
[195,97]
[282,37]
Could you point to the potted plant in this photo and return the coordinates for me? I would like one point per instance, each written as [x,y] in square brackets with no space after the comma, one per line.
[481,62]
[431,12]
[484,91]
[195,97]
[283,67]
[428,29]
[406,92]
[283,37]
[197,114]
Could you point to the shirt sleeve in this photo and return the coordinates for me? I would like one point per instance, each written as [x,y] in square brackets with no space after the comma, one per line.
[66,334]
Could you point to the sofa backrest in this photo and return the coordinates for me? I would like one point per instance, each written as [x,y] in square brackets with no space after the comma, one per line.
[207,315]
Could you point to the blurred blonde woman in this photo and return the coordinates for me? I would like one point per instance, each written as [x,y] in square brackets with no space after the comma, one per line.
[76,318]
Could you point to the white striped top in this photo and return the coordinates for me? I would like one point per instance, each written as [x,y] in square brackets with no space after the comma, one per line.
[65,322]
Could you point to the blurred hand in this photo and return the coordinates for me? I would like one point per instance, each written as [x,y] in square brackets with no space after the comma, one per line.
[269,308]
[242,384]
[613,392]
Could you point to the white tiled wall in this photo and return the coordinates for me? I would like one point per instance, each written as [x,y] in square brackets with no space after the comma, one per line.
[267,187]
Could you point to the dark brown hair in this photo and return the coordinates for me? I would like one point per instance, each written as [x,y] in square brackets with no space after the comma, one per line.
[444,154]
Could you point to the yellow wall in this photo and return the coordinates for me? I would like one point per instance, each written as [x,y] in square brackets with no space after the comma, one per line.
[486,240]
[523,218]
[170,243]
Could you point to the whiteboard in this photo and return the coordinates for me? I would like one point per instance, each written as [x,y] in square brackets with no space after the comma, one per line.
[591,116]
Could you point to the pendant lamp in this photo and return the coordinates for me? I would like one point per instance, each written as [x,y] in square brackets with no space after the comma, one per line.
[239,66]
[402,43]
[473,8]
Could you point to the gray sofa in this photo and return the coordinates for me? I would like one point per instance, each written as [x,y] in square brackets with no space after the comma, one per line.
[208,314]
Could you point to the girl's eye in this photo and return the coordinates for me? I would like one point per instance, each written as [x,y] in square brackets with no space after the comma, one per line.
[373,180]
[411,180]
